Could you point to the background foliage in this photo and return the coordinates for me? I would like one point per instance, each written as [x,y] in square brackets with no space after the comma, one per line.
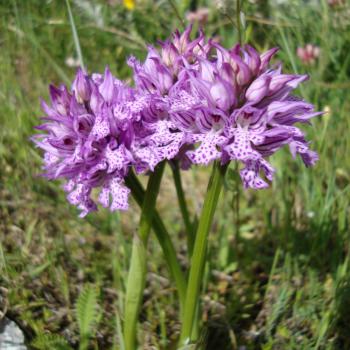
[279,274]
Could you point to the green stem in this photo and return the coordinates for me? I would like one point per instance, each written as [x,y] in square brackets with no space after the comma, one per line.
[183,207]
[163,238]
[237,201]
[177,13]
[238,20]
[200,250]
[137,272]
[75,36]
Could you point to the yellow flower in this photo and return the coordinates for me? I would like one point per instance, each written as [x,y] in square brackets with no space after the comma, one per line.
[129,4]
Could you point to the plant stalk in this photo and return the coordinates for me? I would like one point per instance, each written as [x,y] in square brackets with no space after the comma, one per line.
[183,207]
[199,252]
[163,238]
[138,267]
[238,21]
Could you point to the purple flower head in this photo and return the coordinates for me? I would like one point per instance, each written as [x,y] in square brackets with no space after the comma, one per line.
[193,101]
[232,105]
[87,137]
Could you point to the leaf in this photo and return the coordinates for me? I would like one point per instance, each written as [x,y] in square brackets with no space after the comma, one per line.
[120,332]
[87,311]
[188,347]
[134,291]
[48,341]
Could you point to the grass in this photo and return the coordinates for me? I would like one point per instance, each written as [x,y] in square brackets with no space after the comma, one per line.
[279,275]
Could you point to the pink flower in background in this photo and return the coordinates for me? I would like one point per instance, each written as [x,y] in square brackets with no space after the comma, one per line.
[308,54]
[200,15]
[334,3]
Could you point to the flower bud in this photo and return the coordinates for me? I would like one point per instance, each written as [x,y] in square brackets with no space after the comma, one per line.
[279,81]
[222,95]
[252,59]
[169,55]
[150,66]
[60,99]
[266,58]
[81,87]
[258,89]
[207,70]
[182,40]
[226,73]
[96,99]
[107,87]
[163,77]
[241,69]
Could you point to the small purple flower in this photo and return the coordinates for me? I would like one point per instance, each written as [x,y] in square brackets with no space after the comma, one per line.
[87,139]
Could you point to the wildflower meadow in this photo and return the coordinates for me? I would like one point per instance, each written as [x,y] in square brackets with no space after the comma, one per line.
[175,175]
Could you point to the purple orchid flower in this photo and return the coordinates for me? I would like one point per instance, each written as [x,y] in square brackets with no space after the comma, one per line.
[229,105]
[193,101]
[87,141]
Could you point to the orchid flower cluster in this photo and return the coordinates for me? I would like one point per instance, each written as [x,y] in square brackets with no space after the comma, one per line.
[192,101]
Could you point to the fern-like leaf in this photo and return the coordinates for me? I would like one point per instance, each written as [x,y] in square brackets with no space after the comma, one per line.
[87,312]
[48,341]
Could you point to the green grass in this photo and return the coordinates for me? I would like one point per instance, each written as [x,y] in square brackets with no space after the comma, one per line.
[279,275]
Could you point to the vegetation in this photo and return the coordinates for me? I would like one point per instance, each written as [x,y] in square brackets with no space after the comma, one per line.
[280,274]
